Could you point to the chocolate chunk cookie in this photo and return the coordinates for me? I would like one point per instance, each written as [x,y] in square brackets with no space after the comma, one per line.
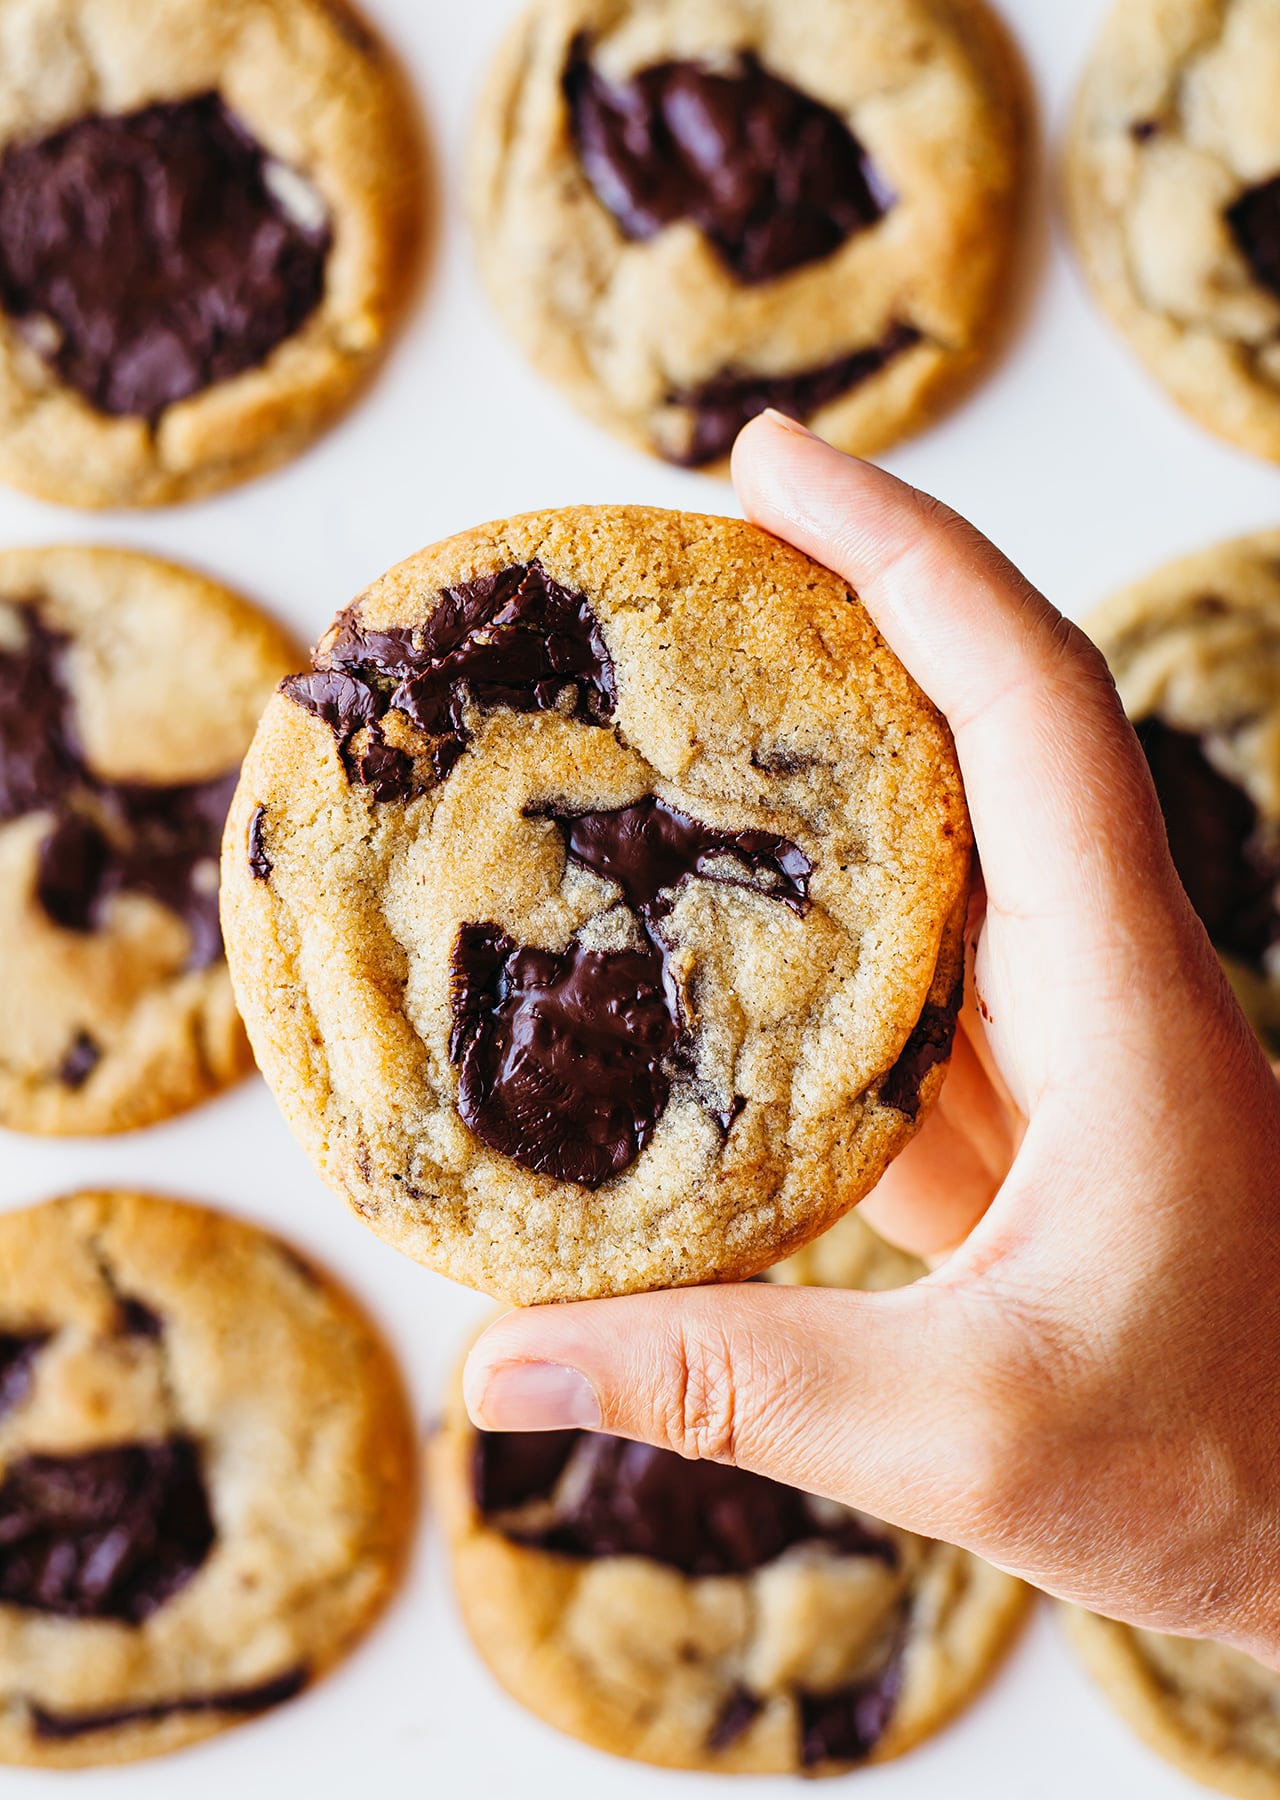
[1195,650]
[595,902]
[1212,1712]
[698,1616]
[206,1477]
[687,215]
[129,690]
[206,218]
[1174,188]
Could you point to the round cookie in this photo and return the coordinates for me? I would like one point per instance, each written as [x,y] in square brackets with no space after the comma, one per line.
[595,904]
[686,214]
[702,1617]
[207,1477]
[1195,649]
[1174,191]
[129,690]
[1211,1711]
[207,218]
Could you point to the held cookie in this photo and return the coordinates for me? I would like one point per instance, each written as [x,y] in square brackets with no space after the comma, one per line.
[1211,1711]
[1195,650]
[206,1477]
[698,1616]
[1174,190]
[206,216]
[595,904]
[686,214]
[129,690]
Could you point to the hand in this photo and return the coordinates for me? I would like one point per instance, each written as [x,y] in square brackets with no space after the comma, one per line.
[1087,1390]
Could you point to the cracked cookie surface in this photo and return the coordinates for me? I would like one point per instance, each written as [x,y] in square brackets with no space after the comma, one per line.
[595,903]
[1211,1711]
[686,214]
[1195,649]
[183,1543]
[129,690]
[1174,191]
[207,219]
[698,1616]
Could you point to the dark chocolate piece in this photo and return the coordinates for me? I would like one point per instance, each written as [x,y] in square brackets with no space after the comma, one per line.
[106,1534]
[137,1319]
[260,864]
[612,1497]
[739,1712]
[80,1061]
[18,1353]
[929,1044]
[511,1468]
[565,1059]
[248,1700]
[845,1726]
[154,253]
[106,837]
[1215,835]
[723,405]
[774,178]
[1254,223]
[727,1119]
[515,639]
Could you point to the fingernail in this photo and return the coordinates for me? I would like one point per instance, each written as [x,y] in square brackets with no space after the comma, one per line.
[785,422]
[533,1396]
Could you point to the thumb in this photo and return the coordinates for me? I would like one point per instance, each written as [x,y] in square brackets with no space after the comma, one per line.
[872,1399]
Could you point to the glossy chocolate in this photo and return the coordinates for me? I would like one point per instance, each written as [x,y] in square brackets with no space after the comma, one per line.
[105,837]
[565,1060]
[722,406]
[19,1351]
[151,255]
[105,1534]
[928,1045]
[738,1714]
[1230,872]
[260,865]
[611,1497]
[772,177]
[1254,223]
[247,1700]
[515,639]
[845,1726]
[80,1061]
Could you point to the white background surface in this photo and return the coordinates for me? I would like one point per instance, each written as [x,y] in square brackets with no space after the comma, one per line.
[1067,457]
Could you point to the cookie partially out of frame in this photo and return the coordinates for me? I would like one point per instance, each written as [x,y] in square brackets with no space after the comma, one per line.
[1174,192]
[129,691]
[1195,649]
[207,1477]
[207,217]
[685,214]
[595,903]
[1211,1711]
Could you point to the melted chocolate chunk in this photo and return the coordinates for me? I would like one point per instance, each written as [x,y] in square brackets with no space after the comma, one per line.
[514,639]
[773,178]
[106,837]
[138,1320]
[727,1119]
[1254,222]
[106,1534]
[565,1059]
[260,864]
[18,1353]
[80,1061]
[560,1057]
[649,847]
[257,1699]
[1215,835]
[154,254]
[522,1466]
[928,1045]
[739,1712]
[845,1726]
[722,406]
[611,1497]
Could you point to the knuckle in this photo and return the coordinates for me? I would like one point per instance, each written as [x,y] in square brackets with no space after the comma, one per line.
[702,1410]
